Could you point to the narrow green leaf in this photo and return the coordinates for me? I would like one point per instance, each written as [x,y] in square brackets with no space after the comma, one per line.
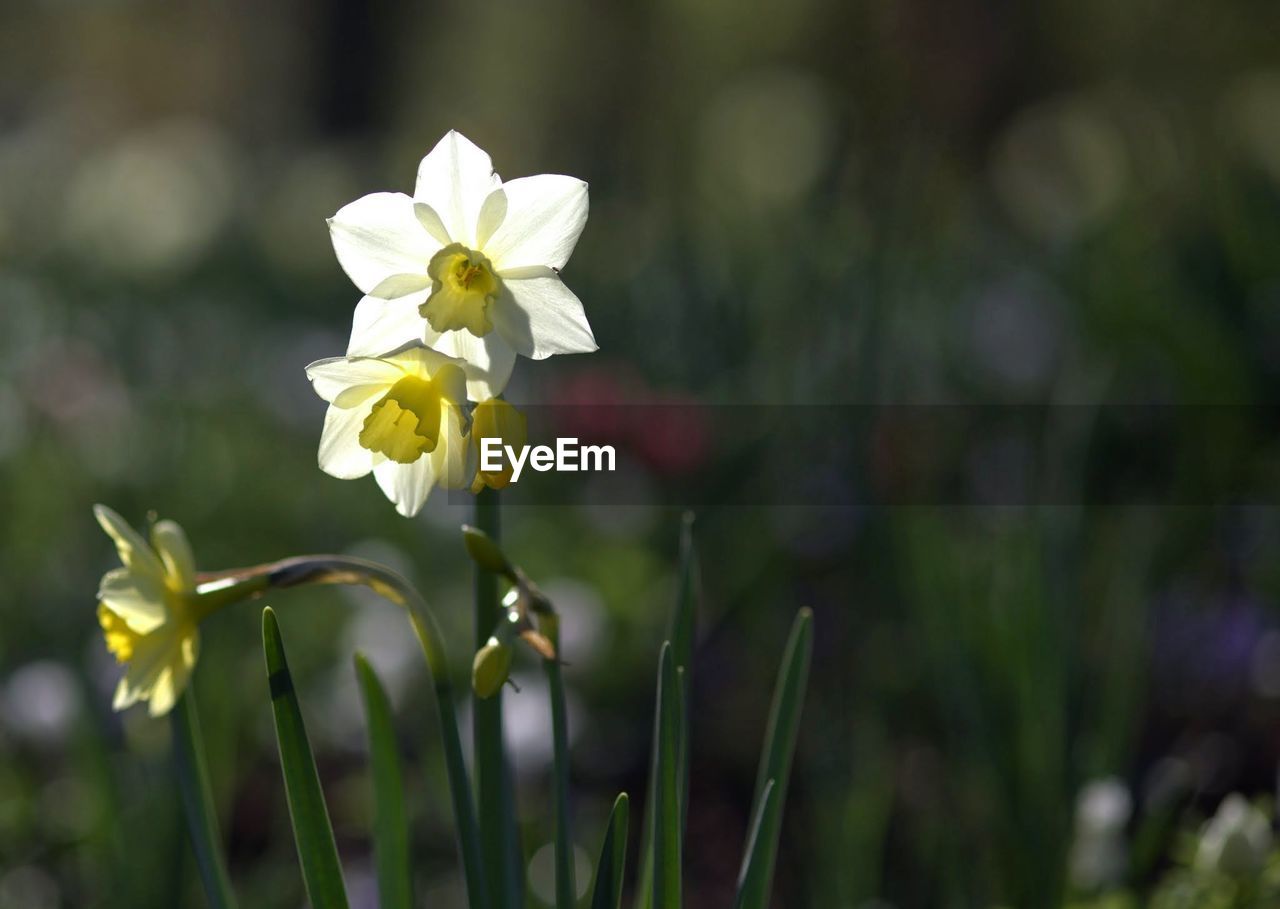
[684,616]
[499,839]
[197,802]
[666,891]
[312,832]
[753,886]
[682,633]
[780,744]
[566,887]
[390,826]
[683,637]
[607,892]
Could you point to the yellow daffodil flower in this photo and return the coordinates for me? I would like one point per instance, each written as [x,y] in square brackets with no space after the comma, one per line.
[400,416]
[149,613]
[496,419]
[468,265]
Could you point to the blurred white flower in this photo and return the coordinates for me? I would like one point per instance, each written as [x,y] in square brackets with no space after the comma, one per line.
[155,201]
[1237,840]
[1099,854]
[400,416]
[41,702]
[468,265]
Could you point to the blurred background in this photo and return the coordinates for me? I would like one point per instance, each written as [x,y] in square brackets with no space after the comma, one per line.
[1068,212]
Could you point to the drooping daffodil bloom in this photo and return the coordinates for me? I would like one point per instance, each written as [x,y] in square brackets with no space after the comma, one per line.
[401,416]
[149,612]
[495,419]
[468,265]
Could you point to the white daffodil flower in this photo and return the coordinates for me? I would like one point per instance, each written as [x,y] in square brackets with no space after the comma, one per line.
[149,612]
[468,265]
[400,415]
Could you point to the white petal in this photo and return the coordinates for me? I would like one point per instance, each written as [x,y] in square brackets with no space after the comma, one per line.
[172,680]
[488,361]
[454,179]
[341,375]
[341,454]
[171,543]
[423,361]
[544,218]
[454,458]
[540,317]
[400,285]
[134,552]
[407,485]
[138,599]
[381,326]
[151,656]
[378,237]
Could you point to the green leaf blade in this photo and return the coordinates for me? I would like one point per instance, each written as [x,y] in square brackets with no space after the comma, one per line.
[313,833]
[607,892]
[390,825]
[779,748]
[753,878]
[667,872]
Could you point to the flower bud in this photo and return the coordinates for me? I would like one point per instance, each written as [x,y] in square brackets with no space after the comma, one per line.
[485,552]
[491,668]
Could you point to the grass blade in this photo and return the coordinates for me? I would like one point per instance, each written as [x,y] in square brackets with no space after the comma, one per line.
[607,892]
[666,891]
[197,802]
[779,747]
[682,633]
[499,840]
[313,834]
[390,826]
[683,637]
[753,882]
[566,887]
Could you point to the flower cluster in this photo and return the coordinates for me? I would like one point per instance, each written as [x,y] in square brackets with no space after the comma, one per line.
[457,279]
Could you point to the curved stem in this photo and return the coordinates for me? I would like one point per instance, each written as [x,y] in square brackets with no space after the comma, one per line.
[336,569]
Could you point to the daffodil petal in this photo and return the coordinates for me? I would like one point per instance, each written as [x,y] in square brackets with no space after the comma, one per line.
[544,216]
[151,655]
[172,680]
[336,376]
[381,326]
[341,454]
[454,458]
[421,361]
[488,361]
[540,317]
[170,541]
[454,179]
[378,237]
[134,552]
[400,285]
[138,599]
[406,485]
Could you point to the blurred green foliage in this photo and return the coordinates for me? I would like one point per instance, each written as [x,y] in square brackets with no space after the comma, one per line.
[1042,204]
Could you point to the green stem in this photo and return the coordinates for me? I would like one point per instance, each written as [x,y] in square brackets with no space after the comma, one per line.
[498,836]
[197,802]
[566,889]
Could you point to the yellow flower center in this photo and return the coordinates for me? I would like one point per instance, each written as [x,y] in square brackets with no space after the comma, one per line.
[405,423]
[462,287]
